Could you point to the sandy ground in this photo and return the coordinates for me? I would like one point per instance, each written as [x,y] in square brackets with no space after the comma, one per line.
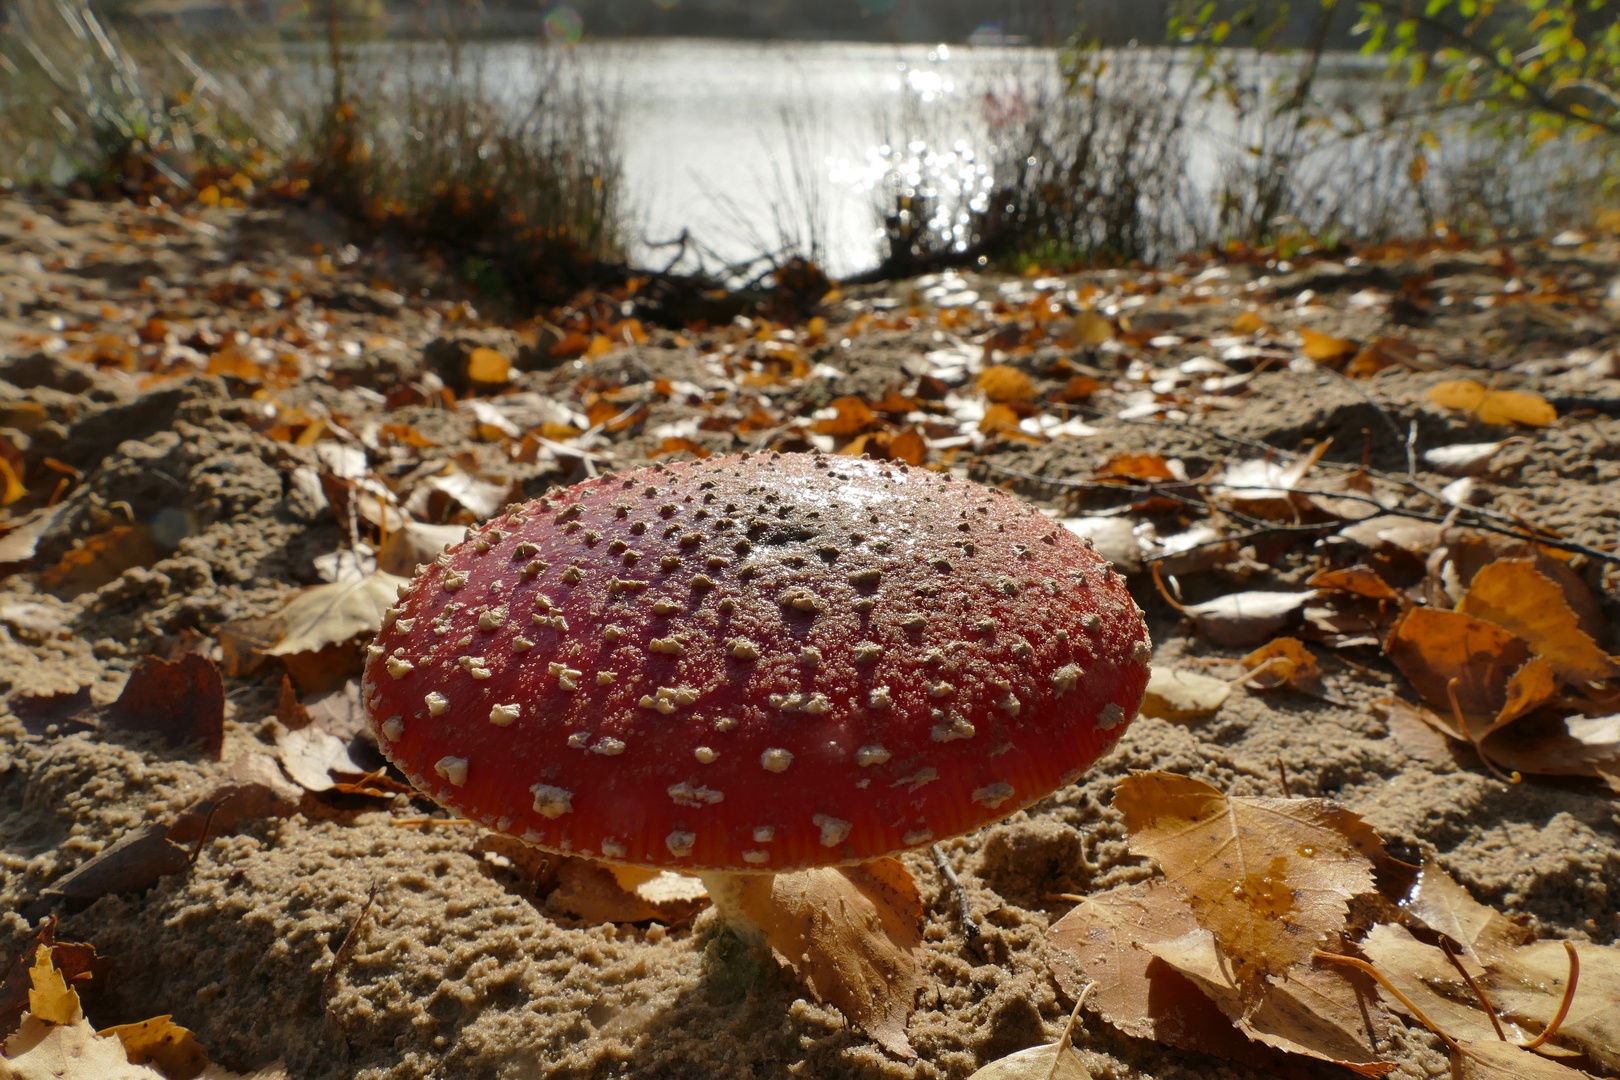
[461,967]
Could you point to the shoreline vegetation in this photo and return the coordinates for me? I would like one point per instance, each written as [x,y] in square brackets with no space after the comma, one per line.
[1091,163]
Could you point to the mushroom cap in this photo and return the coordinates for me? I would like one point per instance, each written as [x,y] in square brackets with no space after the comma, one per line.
[756,663]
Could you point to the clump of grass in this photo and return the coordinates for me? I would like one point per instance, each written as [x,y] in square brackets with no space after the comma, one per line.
[420,141]
[523,193]
[115,109]
[1084,164]
[1142,154]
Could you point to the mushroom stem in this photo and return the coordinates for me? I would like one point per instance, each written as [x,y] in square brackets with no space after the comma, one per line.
[728,891]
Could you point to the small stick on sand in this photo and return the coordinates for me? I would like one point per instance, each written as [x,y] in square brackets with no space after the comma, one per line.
[970,929]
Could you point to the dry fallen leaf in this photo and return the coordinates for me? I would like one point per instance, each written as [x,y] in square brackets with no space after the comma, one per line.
[434,496]
[1516,596]
[42,1051]
[79,967]
[50,998]
[1464,459]
[1270,878]
[592,892]
[910,447]
[1048,1062]
[406,548]
[1490,1058]
[854,416]
[99,559]
[850,933]
[1447,652]
[1090,328]
[325,615]
[1004,383]
[1493,406]
[1113,537]
[1147,467]
[1183,695]
[1284,661]
[182,700]
[54,1041]
[485,365]
[310,754]
[1480,931]
[1106,940]
[1325,348]
[1323,1012]
[1051,1061]
[1246,618]
[1311,1010]
[161,1043]
[1525,983]
[1248,322]
[1361,580]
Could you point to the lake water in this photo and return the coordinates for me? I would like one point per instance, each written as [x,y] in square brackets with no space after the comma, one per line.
[751,147]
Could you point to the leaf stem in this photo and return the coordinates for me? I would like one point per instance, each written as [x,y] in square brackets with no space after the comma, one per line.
[1473,984]
[1383,981]
[1563,1006]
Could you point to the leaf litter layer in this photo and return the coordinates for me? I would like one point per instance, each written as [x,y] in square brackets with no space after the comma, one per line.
[225,470]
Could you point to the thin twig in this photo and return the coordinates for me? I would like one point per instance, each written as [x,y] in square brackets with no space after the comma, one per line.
[970,929]
[1514,529]
[1282,776]
[1068,1029]
[341,957]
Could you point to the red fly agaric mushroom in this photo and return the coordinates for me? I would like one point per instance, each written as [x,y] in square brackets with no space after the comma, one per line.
[749,665]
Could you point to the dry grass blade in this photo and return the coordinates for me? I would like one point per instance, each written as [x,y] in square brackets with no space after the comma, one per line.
[1270,878]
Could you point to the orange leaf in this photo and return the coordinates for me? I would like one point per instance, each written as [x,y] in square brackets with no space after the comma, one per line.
[1105,939]
[854,414]
[1432,647]
[1248,322]
[1136,467]
[1361,580]
[1001,420]
[1090,328]
[488,366]
[100,559]
[15,489]
[571,346]
[1493,406]
[1516,596]
[850,934]
[1079,388]
[409,436]
[1003,383]
[1529,688]
[1270,878]
[676,445]
[1325,348]
[1284,662]
[895,403]
[909,447]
